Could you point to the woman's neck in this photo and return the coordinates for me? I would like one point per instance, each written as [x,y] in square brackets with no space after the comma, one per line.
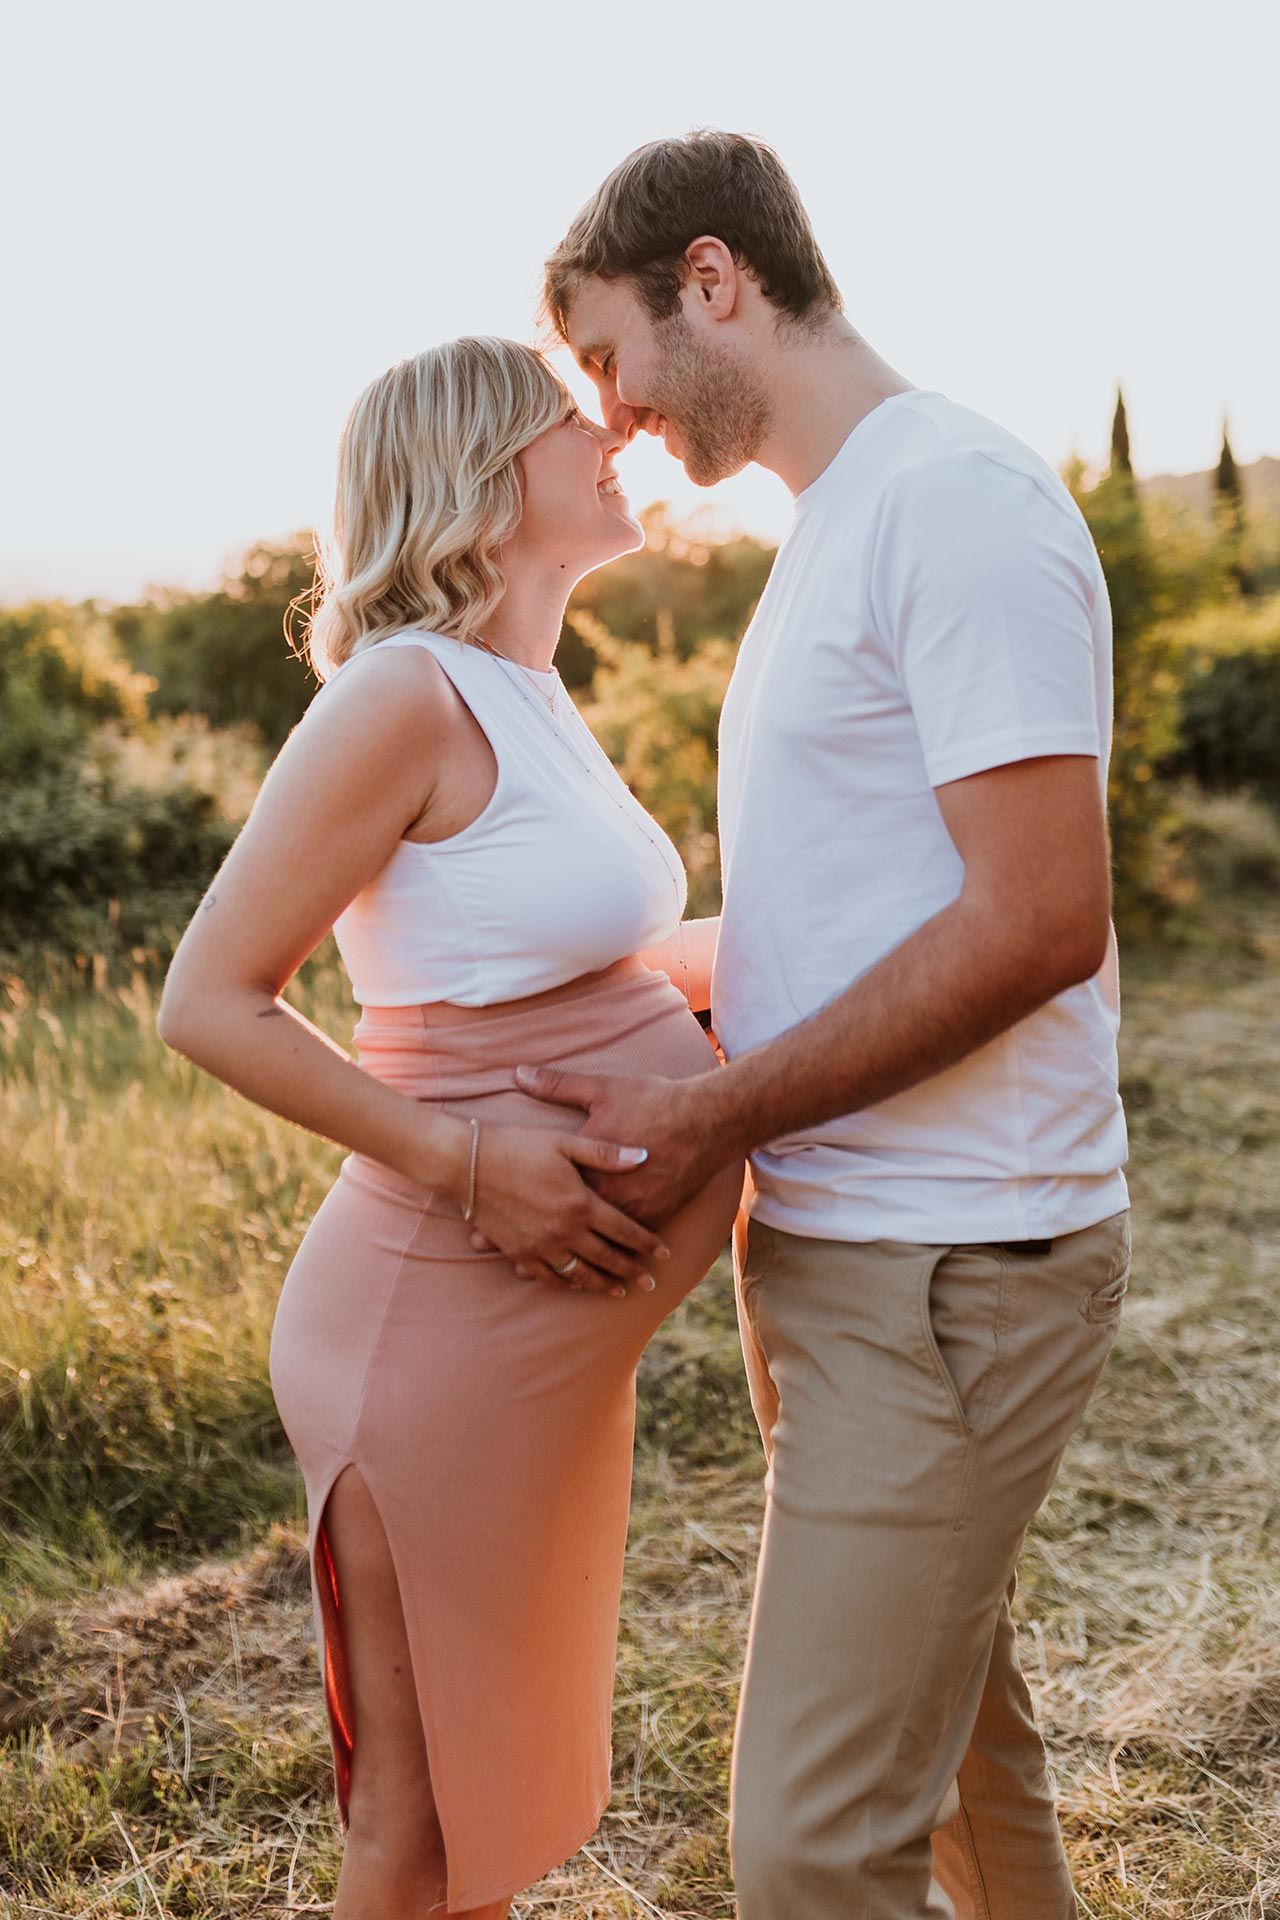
[526,623]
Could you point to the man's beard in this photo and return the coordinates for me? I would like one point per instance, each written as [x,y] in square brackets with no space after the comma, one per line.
[717,405]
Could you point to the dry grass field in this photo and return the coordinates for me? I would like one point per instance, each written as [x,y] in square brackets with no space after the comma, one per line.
[163,1749]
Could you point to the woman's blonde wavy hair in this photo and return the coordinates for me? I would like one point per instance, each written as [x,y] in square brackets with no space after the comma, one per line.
[428,491]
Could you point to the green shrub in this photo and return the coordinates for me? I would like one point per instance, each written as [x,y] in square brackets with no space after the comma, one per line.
[1232,839]
[1228,734]
[225,654]
[1145,851]
[91,866]
[60,678]
[656,715]
[111,823]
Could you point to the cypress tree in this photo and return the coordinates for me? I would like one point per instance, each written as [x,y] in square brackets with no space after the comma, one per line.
[1120,460]
[1228,512]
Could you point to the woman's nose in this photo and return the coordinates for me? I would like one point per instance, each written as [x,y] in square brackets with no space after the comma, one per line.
[614,438]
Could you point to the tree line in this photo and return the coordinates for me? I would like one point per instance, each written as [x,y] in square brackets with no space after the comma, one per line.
[132,738]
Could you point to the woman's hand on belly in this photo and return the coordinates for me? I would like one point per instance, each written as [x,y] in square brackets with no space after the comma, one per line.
[533,1202]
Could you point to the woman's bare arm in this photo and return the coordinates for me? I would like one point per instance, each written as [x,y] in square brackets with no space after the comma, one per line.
[355,772]
[350,778]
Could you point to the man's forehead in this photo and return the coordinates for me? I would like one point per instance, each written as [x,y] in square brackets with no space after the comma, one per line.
[594,316]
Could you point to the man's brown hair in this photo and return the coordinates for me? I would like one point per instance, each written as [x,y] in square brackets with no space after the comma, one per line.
[637,225]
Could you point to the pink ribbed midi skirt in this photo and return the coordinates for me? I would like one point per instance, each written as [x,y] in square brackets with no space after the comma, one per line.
[492,1420]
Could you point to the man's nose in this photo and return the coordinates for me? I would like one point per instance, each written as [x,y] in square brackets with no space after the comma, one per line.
[620,418]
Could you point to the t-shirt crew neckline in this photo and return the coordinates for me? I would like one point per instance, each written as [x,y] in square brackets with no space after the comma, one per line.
[856,436]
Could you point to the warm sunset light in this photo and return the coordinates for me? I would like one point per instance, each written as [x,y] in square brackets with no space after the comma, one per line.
[230,218]
[639,918]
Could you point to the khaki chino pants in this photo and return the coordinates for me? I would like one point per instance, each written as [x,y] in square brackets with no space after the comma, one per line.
[914,1401]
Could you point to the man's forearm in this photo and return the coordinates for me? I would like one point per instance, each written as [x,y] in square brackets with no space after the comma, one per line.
[947,989]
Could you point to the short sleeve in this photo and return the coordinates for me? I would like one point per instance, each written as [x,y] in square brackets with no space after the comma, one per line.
[984,589]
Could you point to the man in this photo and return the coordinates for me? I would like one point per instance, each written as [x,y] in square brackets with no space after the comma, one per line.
[915,988]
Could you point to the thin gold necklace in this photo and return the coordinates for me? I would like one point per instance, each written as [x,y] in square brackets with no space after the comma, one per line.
[526,671]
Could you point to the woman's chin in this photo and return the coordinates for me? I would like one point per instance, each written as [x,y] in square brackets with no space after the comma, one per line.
[628,535]
[617,533]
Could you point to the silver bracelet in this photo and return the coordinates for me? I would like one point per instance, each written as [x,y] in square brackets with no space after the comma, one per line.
[470,1207]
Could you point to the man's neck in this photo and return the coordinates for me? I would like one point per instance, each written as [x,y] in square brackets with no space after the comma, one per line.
[820,387]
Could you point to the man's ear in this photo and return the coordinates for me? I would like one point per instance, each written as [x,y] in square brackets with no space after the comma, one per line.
[713,276]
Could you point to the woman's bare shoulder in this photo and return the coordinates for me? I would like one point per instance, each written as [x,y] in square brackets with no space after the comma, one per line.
[381,671]
[384,724]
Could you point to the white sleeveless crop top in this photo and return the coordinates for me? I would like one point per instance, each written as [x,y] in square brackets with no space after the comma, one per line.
[562,873]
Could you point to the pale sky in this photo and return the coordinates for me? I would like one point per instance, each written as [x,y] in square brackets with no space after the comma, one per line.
[223,219]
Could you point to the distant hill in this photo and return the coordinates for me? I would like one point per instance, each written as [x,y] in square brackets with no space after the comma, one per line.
[1261,483]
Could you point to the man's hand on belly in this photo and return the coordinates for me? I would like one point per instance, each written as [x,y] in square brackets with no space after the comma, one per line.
[648,1111]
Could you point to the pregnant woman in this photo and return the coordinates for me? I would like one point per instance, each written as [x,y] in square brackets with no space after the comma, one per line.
[498,896]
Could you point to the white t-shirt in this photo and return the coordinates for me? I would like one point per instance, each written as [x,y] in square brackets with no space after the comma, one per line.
[937,607]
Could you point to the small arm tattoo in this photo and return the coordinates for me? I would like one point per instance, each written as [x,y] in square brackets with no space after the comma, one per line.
[205,906]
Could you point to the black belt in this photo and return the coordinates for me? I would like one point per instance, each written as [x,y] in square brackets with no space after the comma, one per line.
[1022,1246]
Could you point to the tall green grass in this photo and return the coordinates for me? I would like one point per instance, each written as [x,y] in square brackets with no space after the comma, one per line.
[145,1212]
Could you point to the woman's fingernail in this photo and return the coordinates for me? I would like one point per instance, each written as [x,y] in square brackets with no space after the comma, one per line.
[632,1156]
[619,1293]
[662,1253]
[648,1282]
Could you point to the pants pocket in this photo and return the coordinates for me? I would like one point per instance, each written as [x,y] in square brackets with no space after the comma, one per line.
[1107,1301]
[962,1303]
[1104,1301]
